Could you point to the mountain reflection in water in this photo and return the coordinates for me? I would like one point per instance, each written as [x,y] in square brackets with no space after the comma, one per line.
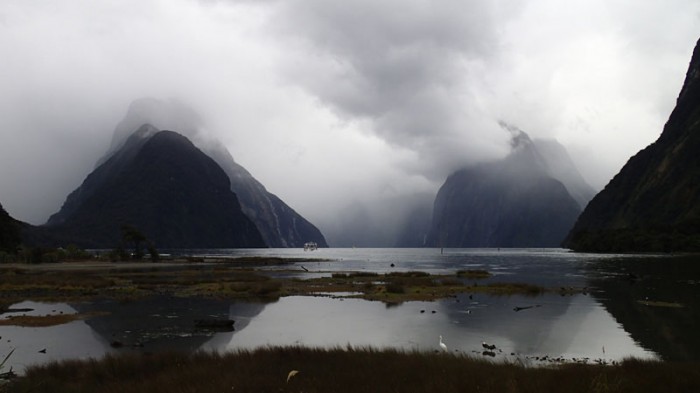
[568,327]
[657,301]
[607,323]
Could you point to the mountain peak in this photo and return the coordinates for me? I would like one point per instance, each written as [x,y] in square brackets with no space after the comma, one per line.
[278,223]
[514,202]
[692,76]
[161,184]
[519,139]
[145,131]
[169,114]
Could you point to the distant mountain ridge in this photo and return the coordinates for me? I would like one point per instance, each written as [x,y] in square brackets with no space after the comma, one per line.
[560,166]
[653,203]
[161,184]
[513,202]
[279,224]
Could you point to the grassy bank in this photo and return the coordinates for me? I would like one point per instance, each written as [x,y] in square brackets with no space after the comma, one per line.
[346,370]
[237,279]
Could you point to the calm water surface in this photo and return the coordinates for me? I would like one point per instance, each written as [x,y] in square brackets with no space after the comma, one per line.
[609,322]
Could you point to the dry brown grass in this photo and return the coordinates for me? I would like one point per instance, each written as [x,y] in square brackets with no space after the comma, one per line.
[235,281]
[43,320]
[347,370]
[38,321]
[473,274]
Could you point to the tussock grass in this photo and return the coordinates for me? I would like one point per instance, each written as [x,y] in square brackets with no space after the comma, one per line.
[355,275]
[474,274]
[452,282]
[39,320]
[234,281]
[516,288]
[346,370]
[396,286]
[409,274]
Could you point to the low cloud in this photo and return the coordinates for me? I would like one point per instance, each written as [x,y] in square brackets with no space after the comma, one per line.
[331,104]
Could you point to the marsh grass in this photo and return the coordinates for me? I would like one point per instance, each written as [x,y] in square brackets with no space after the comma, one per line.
[233,281]
[44,320]
[186,280]
[409,274]
[39,321]
[473,274]
[516,288]
[346,370]
[355,275]
[396,286]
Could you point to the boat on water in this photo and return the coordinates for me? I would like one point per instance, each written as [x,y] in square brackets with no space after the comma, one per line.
[310,246]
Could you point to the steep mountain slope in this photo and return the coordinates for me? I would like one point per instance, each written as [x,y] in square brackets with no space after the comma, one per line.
[279,224]
[653,204]
[561,167]
[514,202]
[161,184]
[9,232]
[102,173]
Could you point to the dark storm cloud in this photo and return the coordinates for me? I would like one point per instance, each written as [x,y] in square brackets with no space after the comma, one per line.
[332,102]
[408,67]
[436,77]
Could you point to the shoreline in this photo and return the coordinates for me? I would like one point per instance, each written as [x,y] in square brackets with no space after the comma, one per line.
[252,278]
[295,369]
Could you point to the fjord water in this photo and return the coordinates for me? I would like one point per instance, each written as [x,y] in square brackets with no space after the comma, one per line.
[640,306]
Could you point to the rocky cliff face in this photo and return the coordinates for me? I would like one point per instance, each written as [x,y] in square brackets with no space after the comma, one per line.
[514,202]
[279,224]
[161,184]
[653,204]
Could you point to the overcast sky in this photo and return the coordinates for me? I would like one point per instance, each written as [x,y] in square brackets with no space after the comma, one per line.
[332,102]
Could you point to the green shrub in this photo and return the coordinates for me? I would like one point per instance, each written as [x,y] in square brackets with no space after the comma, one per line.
[475,274]
[395,286]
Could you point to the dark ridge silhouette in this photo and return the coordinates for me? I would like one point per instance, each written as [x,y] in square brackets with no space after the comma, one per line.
[513,202]
[653,204]
[162,185]
[278,223]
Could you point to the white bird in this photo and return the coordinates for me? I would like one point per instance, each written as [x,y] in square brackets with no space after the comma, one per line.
[442,345]
[291,374]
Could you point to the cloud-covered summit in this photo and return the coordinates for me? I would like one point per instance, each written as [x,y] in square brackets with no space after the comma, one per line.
[411,69]
[332,103]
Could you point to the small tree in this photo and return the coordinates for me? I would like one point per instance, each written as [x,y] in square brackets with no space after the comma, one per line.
[133,237]
[155,256]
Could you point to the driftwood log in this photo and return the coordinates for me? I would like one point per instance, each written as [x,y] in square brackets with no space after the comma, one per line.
[8,375]
[214,324]
[14,310]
